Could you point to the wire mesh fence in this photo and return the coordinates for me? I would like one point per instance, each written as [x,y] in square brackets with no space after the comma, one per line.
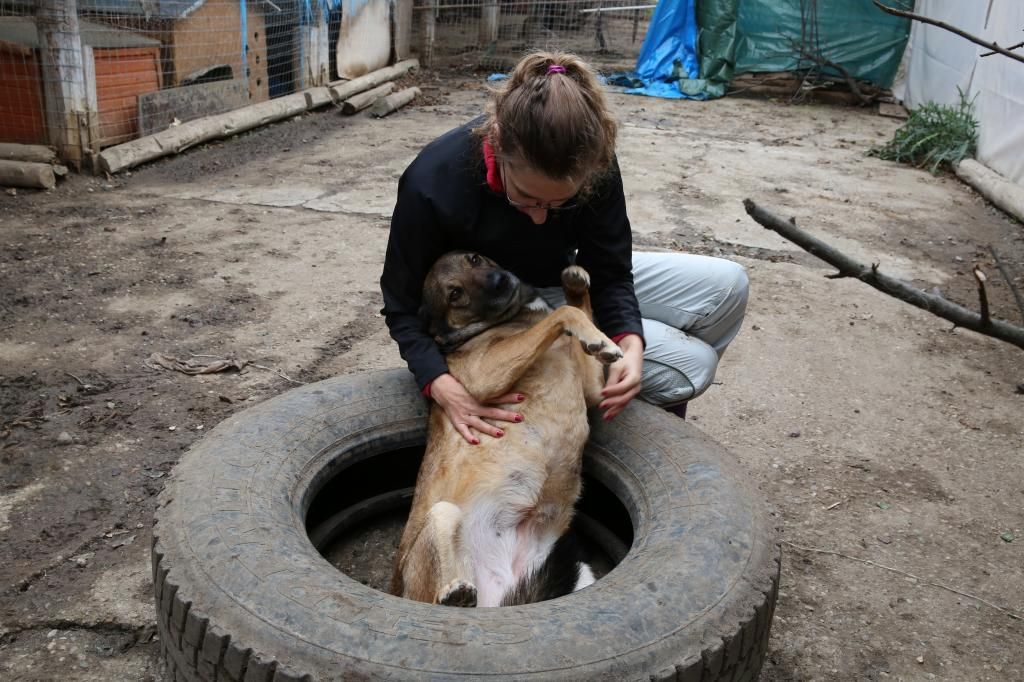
[81,75]
[607,33]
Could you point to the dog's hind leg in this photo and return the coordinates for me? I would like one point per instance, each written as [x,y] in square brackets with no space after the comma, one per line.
[576,285]
[437,567]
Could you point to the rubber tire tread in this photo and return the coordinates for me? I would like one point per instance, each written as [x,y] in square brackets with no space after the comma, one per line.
[202,639]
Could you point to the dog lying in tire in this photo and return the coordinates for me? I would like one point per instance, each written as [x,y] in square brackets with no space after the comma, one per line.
[488,522]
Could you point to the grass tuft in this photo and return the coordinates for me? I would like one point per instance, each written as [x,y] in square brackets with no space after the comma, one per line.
[934,135]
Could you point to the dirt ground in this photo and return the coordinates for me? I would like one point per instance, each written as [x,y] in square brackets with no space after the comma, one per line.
[877,432]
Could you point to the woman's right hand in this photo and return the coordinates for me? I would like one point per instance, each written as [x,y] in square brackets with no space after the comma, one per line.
[466,414]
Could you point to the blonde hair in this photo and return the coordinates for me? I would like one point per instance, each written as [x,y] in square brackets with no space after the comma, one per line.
[557,121]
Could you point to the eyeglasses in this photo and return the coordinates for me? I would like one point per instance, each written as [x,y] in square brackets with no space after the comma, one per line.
[567,205]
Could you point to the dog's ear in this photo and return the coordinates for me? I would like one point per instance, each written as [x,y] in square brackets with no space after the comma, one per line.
[433,321]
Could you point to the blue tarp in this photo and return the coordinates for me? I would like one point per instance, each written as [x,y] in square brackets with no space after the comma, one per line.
[681,59]
[668,65]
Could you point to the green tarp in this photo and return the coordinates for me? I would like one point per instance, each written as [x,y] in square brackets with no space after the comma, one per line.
[743,36]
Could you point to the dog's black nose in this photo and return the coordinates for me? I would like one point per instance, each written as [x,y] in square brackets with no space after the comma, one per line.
[498,281]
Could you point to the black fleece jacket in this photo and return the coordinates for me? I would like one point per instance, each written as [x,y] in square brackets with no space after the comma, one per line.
[444,204]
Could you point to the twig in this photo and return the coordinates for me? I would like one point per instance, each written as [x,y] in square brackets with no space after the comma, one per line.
[957,314]
[1009,281]
[952,29]
[980,277]
[1011,47]
[834,505]
[76,378]
[253,364]
[274,371]
[1008,612]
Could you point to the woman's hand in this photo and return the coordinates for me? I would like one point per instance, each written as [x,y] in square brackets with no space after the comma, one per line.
[623,377]
[466,414]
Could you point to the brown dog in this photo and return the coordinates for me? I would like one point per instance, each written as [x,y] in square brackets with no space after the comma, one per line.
[487,520]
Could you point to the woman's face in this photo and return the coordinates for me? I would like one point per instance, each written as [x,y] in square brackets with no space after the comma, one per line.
[534,193]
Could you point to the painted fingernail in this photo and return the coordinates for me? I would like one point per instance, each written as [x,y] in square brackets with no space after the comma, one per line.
[475,441]
[520,397]
[500,434]
[519,418]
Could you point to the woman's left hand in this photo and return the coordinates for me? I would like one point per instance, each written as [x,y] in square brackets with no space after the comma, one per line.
[623,377]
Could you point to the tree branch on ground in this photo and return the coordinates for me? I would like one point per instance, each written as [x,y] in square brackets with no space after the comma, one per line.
[980,278]
[1009,281]
[848,267]
[952,29]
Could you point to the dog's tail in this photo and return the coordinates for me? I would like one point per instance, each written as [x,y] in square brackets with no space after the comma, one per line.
[559,575]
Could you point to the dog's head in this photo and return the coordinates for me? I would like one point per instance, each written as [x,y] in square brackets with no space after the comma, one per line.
[465,294]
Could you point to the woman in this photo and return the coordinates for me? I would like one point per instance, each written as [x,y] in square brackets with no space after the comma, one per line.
[535,186]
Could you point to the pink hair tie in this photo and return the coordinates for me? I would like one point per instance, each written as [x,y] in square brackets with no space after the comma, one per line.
[555,68]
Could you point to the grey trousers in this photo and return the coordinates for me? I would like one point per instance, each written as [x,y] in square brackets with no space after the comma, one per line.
[692,308]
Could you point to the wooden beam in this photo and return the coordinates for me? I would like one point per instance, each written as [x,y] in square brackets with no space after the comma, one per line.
[365,99]
[489,12]
[26,174]
[342,90]
[35,153]
[391,103]
[68,117]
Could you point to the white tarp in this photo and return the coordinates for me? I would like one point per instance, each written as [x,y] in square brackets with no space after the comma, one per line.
[940,61]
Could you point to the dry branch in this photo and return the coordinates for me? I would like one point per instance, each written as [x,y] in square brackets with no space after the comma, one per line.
[1009,281]
[980,278]
[848,267]
[952,29]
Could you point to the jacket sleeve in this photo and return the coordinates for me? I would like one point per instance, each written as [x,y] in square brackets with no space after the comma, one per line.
[416,240]
[606,252]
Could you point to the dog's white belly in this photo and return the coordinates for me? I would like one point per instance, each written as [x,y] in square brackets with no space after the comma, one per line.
[504,548]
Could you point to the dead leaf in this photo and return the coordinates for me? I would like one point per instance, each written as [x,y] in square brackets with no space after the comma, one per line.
[193,366]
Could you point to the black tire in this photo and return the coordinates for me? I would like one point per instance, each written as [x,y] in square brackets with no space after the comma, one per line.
[242,594]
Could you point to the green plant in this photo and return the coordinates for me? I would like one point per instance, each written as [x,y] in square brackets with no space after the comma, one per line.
[934,134]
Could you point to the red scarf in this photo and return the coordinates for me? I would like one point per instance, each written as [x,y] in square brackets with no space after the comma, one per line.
[493,170]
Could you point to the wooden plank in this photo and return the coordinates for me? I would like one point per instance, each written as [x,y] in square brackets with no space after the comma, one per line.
[157,110]
[22,118]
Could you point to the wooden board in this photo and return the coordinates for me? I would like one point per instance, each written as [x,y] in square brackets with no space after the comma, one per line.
[122,75]
[157,110]
[21,97]
[364,41]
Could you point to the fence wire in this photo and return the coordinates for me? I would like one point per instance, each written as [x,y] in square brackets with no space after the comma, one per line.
[81,75]
[606,33]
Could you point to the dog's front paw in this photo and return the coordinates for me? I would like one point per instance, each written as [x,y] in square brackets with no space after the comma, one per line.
[575,281]
[605,351]
[458,593]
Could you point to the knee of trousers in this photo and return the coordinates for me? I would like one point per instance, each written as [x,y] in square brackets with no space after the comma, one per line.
[668,383]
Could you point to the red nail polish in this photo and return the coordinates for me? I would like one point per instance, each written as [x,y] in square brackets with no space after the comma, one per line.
[475,441]
[500,434]
[520,398]
[519,417]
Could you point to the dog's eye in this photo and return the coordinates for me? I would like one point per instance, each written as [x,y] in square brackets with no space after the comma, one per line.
[454,294]
[474,259]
